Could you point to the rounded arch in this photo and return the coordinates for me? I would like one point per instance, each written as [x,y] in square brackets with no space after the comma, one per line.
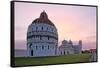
[31,52]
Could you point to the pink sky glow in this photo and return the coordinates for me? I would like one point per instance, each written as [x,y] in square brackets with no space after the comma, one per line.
[73,22]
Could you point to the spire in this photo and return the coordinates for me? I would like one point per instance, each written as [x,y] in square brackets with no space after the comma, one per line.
[80,42]
[43,15]
[43,10]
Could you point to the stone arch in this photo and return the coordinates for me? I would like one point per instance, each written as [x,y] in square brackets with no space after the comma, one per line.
[64,52]
[30,45]
[31,52]
[42,27]
[67,52]
[42,47]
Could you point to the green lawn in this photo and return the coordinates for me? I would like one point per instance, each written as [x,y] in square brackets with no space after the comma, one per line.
[20,61]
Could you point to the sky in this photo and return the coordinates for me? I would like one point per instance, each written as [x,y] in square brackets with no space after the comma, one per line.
[72,22]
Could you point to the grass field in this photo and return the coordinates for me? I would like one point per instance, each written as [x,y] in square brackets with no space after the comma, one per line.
[75,58]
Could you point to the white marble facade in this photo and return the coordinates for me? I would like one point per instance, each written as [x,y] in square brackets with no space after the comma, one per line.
[67,47]
[42,37]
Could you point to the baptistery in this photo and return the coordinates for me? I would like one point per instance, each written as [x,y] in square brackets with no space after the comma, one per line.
[42,37]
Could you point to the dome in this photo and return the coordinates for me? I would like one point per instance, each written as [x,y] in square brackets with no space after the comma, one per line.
[42,26]
[70,42]
[43,19]
[64,42]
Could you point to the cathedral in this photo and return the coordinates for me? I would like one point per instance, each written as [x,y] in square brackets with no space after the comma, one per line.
[67,47]
[42,39]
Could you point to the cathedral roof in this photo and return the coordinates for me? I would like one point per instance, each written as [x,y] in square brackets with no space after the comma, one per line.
[70,42]
[43,19]
[64,42]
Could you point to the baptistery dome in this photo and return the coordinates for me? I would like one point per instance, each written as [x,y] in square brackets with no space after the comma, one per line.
[42,37]
[43,19]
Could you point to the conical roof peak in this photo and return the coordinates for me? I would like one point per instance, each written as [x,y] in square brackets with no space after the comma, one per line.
[44,15]
[43,19]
